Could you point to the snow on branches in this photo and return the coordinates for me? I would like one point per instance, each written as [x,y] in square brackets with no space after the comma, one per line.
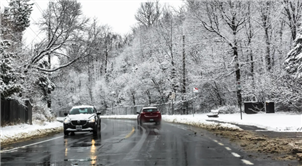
[18,14]
[293,62]
[8,74]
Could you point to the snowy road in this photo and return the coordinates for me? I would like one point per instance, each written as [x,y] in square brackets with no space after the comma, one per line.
[122,142]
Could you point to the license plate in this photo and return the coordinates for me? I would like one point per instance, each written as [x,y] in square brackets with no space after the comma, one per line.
[79,127]
[151,120]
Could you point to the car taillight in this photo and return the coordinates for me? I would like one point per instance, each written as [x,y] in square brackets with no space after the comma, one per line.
[158,113]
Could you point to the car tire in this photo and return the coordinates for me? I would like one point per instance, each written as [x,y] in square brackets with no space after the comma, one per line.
[95,130]
[66,132]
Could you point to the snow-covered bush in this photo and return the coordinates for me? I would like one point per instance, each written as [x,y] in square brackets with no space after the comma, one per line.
[42,113]
[228,109]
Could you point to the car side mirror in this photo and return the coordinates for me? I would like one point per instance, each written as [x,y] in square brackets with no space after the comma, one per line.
[137,112]
[65,114]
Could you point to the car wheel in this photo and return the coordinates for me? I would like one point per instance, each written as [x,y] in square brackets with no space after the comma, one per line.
[95,130]
[66,132]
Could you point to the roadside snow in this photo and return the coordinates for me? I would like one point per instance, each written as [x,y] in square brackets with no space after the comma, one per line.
[279,122]
[20,131]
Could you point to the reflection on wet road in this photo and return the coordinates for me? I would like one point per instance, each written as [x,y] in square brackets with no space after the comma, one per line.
[123,142]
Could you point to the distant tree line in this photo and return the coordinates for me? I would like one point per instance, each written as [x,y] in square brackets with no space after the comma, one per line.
[232,51]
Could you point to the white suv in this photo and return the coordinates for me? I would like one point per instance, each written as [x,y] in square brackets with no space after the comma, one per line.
[82,118]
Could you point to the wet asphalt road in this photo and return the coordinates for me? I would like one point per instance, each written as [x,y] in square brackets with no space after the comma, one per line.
[124,143]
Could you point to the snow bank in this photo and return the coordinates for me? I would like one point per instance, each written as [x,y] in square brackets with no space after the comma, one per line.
[279,122]
[9,134]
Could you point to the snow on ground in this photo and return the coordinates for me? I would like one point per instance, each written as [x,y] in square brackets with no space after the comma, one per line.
[279,122]
[25,130]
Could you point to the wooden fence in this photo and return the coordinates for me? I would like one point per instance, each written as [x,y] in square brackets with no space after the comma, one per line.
[12,112]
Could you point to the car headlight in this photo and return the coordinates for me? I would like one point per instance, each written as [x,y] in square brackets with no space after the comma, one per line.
[67,120]
[91,120]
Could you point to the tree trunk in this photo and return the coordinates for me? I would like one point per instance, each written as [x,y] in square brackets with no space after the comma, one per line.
[236,59]
[106,59]
[239,97]
[133,97]
[89,80]
[267,50]
[184,75]
[149,97]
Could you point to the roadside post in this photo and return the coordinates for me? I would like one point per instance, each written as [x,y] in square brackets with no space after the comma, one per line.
[113,102]
[239,98]
[195,90]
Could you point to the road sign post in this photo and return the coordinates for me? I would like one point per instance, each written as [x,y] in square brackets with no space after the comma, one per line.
[195,90]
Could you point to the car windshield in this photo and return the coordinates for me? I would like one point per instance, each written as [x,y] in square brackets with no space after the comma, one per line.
[150,110]
[81,111]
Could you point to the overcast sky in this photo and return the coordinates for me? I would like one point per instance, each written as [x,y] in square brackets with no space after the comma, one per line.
[118,14]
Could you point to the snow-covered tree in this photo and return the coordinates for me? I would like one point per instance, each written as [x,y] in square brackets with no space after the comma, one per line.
[14,21]
[61,22]
[223,39]
[19,13]
[293,62]
[9,77]
[292,12]
[148,13]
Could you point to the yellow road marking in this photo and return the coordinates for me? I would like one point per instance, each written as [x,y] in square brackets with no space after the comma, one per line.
[127,136]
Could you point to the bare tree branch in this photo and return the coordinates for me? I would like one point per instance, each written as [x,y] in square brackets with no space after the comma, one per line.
[61,20]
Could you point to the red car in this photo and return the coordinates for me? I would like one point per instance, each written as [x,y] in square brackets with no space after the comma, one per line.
[149,114]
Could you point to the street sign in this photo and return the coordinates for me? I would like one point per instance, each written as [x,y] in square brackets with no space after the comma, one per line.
[195,90]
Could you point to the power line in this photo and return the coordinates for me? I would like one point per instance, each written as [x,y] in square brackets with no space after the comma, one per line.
[37,35]
[38,6]
[34,22]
